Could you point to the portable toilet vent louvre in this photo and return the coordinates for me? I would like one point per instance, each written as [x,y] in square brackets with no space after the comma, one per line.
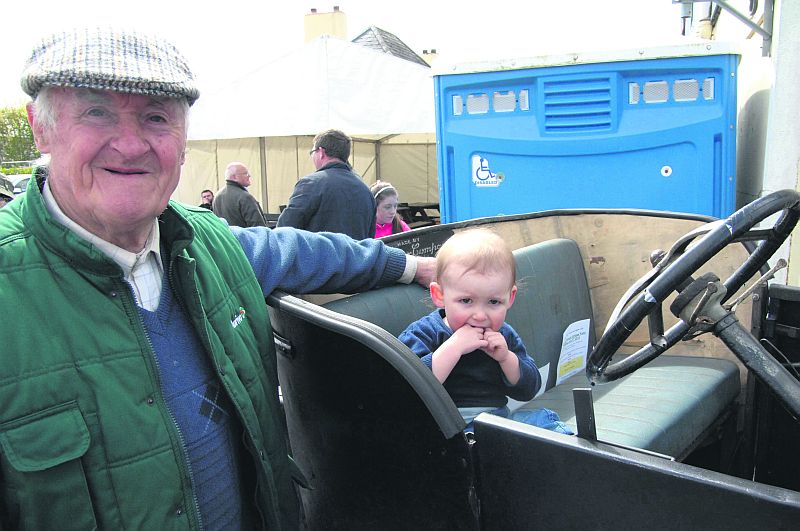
[651,129]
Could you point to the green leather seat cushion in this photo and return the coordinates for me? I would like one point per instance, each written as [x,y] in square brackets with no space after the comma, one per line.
[663,407]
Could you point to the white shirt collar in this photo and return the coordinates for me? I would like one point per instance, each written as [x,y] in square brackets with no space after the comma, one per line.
[123,257]
[144,270]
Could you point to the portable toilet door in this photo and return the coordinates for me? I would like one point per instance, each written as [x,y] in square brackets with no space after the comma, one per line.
[632,129]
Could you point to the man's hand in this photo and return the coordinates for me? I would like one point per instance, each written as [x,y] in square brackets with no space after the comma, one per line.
[426,270]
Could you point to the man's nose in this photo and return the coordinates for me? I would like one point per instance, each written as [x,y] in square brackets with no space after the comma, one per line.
[129,139]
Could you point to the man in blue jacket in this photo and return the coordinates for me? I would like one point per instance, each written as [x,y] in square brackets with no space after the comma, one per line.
[334,198]
[144,393]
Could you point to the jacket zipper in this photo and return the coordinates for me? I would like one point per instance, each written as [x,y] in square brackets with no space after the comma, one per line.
[183,464]
[246,439]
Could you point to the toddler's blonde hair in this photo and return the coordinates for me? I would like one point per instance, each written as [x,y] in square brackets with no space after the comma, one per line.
[480,250]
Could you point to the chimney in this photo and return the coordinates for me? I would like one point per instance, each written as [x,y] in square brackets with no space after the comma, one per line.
[333,23]
[429,56]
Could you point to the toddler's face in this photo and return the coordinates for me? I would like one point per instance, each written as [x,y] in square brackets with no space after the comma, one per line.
[473,298]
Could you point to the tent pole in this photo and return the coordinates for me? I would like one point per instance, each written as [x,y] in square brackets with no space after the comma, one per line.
[378,161]
[262,151]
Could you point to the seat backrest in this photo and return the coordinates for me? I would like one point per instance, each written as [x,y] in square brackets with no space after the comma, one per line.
[372,429]
[392,308]
[552,293]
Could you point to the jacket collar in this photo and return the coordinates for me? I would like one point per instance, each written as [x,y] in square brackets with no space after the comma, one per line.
[234,183]
[336,164]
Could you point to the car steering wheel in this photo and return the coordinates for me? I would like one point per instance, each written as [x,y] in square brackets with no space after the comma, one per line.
[675,273]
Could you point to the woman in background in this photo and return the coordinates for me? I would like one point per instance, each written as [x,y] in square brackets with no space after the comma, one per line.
[387,220]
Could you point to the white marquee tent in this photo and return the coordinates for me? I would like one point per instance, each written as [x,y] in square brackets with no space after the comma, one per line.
[268,118]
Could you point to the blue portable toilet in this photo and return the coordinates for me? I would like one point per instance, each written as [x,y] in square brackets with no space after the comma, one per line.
[652,129]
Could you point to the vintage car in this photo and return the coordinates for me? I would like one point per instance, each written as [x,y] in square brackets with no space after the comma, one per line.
[688,421]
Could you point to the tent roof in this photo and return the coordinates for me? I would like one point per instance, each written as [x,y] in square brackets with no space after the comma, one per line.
[327,83]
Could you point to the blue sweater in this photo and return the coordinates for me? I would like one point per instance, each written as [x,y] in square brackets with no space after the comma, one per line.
[292,260]
[202,412]
[477,380]
[298,261]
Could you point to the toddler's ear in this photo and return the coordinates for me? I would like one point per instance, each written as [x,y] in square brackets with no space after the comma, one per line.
[512,296]
[437,294]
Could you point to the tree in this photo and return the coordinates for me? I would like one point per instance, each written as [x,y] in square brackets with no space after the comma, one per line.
[16,137]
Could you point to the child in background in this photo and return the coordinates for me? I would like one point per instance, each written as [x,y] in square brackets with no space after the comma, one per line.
[479,358]
[387,220]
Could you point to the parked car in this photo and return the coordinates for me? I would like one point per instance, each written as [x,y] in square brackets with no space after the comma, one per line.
[20,182]
[6,188]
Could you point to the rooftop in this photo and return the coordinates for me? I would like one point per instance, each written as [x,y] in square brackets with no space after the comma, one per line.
[383,41]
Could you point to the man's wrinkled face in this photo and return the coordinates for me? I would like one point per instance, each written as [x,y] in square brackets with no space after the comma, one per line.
[115,158]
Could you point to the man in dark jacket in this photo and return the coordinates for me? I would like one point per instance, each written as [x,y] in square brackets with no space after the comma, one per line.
[234,202]
[334,198]
[207,198]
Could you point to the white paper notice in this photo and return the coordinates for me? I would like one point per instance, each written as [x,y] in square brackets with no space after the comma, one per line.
[574,348]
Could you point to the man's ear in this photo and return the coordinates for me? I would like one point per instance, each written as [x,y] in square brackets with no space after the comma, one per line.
[41,134]
[437,294]
[512,296]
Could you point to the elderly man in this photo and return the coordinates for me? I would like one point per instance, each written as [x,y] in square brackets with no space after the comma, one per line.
[234,202]
[144,393]
[333,198]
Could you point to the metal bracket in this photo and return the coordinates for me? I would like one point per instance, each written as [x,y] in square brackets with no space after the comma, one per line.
[584,413]
[765,32]
[780,264]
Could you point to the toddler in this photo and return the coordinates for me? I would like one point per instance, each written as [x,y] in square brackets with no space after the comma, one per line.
[480,359]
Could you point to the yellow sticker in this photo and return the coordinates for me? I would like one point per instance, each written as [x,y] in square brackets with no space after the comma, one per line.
[571,365]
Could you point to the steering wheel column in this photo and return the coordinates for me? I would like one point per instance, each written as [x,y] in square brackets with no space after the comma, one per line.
[700,305]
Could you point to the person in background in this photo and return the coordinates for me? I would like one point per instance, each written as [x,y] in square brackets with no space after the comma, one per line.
[334,198]
[234,202]
[145,393]
[6,191]
[206,199]
[387,220]
[472,351]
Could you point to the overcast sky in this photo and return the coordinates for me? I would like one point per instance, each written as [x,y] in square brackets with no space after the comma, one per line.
[235,36]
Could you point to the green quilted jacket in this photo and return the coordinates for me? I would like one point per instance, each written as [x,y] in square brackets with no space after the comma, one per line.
[86,440]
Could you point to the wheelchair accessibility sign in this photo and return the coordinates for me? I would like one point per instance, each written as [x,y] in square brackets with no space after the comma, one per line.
[482,175]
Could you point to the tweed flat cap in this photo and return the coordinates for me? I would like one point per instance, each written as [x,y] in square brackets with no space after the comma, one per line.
[108,59]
